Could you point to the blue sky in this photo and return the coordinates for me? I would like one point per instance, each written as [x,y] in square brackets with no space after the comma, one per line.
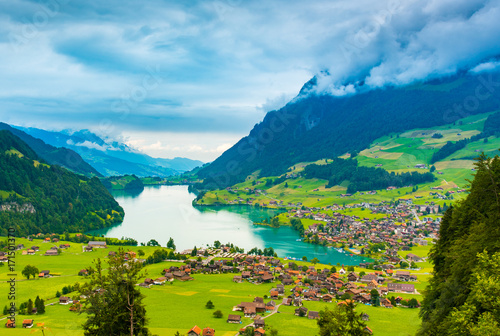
[189,78]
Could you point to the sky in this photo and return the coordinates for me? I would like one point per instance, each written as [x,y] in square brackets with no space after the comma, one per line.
[190,78]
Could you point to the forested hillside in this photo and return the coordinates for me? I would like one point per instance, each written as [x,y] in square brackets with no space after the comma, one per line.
[37,197]
[323,126]
[363,178]
[462,298]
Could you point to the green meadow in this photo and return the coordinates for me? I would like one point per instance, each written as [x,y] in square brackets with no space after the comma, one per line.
[180,305]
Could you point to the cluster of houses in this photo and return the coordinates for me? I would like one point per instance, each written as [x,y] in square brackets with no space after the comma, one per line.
[399,230]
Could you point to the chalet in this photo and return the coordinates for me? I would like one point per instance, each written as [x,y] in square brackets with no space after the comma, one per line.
[97,244]
[259,322]
[352,276]
[83,272]
[274,294]
[402,275]
[28,323]
[413,257]
[233,318]
[365,317]
[237,279]
[195,331]
[287,302]
[111,253]
[64,300]
[368,331]
[10,324]
[208,332]
[313,315]
[250,311]
[327,298]
[399,287]
[160,281]
[44,274]
[64,246]
[19,246]
[271,305]
[259,332]
[386,303]
[51,252]
[88,249]
[301,311]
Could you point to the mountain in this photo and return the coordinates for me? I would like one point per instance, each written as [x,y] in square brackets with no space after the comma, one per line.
[59,156]
[317,126]
[38,197]
[113,158]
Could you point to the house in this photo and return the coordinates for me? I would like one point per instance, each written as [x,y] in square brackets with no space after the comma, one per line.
[64,246]
[365,317]
[195,331]
[233,318]
[64,300]
[44,274]
[386,303]
[31,252]
[28,323]
[368,331]
[259,322]
[259,332]
[51,252]
[237,279]
[208,332]
[250,311]
[413,257]
[327,298]
[399,287]
[83,272]
[97,244]
[160,281]
[352,277]
[301,311]
[10,324]
[271,305]
[274,294]
[313,315]
[402,275]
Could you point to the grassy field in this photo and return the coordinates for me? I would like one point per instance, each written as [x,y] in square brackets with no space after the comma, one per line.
[181,305]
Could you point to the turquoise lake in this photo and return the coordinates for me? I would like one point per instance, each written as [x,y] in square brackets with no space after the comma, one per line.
[167,211]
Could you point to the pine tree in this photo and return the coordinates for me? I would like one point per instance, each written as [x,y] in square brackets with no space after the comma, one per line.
[117,309]
[29,307]
[41,308]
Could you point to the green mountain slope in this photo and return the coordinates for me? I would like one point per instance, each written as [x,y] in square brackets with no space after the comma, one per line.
[322,126]
[60,156]
[37,197]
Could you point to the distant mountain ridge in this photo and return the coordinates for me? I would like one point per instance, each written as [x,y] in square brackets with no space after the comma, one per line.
[63,157]
[113,158]
[315,126]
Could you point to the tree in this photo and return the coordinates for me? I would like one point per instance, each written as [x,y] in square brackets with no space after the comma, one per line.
[5,310]
[58,294]
[40,307]
[153,242]
[194,252]
[374,296]
[209,305]
[249,331]
[217,314]
[29,307]
[171,244]
[304,258]
[141,253]
[113,302]
[350,268]
[333,269]
[314,261]
[341,321]
[29,271]
[460,296]
[362,274]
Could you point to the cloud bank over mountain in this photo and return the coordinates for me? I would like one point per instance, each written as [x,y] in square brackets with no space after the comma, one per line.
[209,70]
